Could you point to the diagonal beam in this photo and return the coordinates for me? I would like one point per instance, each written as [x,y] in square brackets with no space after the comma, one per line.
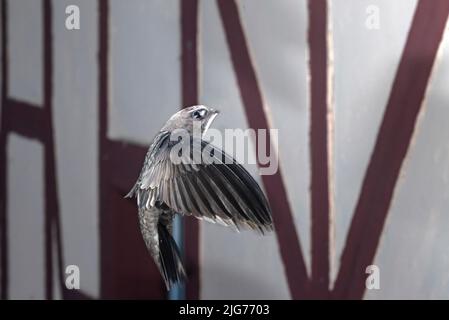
[392,143]
[252,100]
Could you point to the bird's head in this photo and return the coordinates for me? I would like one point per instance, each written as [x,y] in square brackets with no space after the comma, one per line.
[190,117]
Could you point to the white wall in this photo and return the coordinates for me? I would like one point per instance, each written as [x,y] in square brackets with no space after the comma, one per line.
[25,51]
[145,85]
[25,218]
[75,116]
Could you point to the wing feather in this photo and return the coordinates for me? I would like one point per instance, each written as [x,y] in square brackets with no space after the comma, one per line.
[218,189]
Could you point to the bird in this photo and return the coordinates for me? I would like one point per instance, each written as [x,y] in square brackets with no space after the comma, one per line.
[215,189]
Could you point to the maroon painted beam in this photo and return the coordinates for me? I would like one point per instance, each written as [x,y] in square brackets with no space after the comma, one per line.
[391,147]
[277,196]
[24,119]
[317,38]
[106,220]
[51,194]
[123,174]
[189,84]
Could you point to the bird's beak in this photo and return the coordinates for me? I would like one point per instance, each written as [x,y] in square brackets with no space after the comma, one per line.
[212,115]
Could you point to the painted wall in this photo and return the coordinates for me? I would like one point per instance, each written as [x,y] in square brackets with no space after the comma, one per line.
[145,88]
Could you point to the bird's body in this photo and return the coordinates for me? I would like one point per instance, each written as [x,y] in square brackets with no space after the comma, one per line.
[172,181]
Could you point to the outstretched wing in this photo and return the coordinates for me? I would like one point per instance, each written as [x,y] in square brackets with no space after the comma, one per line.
[205,182]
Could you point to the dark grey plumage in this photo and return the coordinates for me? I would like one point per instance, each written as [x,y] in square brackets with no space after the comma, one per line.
[218,190]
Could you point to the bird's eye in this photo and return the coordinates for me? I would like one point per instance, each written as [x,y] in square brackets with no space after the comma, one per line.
[199,114]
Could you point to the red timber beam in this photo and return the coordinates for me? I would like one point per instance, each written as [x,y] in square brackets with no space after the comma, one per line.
[189,84]
[250,93]
[393,141]
[319,156]
[51,194]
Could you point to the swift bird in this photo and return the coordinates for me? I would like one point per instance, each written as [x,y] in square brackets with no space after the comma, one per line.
[217,189]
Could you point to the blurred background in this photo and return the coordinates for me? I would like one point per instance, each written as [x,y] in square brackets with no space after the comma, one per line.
[356,88]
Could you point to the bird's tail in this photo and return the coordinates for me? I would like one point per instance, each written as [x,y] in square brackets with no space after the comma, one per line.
[171,265]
